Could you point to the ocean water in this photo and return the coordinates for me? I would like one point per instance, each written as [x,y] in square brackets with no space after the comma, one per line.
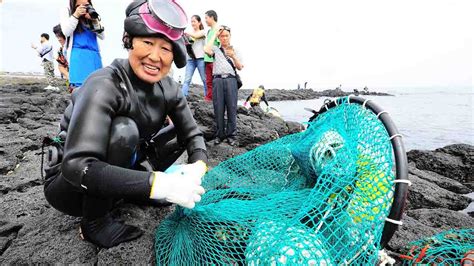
[469,208]
[427,118]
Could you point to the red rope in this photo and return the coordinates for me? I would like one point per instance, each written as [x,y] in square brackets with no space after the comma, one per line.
[466,257]
[422,253]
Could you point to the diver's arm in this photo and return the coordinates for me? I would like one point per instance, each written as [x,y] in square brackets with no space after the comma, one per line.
[250,96]
[265,99]
[85,152]
[187,129]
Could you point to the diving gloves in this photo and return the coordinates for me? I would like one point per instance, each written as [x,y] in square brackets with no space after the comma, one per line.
[179,184]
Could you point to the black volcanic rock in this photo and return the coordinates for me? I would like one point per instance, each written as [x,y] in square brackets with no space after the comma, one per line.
[424,194]
[454,161]
[423,223]
[435,198]
[442,218]
[283,95]
[32,232]
[303,94]
[441,181]
[411,230]
[253,130]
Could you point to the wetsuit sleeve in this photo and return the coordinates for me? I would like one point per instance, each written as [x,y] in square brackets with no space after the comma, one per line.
[265,99]
[187,129]
[85,165]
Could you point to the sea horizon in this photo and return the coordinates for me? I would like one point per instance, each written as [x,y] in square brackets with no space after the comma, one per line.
[399,89]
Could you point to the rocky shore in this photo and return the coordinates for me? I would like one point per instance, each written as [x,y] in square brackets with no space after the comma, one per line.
[31,231]
[304,94]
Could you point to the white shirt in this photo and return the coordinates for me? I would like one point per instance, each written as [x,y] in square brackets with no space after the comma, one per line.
[198,46]
[45,51]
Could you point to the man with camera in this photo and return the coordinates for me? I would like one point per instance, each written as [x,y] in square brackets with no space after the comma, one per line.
[81,25]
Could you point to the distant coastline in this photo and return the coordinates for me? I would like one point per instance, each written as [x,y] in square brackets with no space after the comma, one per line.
[22,74]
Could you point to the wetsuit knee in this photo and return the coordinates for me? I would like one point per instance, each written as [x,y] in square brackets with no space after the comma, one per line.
[123,142]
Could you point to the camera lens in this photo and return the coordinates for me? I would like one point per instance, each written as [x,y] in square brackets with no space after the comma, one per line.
[92,12]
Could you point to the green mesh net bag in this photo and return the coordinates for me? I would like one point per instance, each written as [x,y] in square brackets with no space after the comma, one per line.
[451,247]
[319,197]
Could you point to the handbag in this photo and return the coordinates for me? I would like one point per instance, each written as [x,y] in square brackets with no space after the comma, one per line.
[237,76]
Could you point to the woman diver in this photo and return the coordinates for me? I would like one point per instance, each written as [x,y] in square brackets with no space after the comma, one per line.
[116,124]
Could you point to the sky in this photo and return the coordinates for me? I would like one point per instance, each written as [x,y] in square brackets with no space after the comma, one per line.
[374,43]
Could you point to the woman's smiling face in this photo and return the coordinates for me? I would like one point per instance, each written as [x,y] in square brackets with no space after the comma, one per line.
[150,58]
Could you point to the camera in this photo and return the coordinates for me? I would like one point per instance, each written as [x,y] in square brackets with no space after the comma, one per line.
[91,11]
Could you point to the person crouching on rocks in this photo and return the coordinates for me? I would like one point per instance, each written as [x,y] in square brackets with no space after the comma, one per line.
[254,99]
[224,84]
[114,128]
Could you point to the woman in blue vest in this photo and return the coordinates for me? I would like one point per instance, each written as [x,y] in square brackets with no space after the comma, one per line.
[80,24]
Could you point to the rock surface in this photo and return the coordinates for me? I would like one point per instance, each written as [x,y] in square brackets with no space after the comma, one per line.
[453,161]
[303,94]
[424,194]
[31,231]
[441,178]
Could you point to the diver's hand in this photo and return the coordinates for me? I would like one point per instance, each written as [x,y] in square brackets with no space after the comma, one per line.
[198,168]
[182,186]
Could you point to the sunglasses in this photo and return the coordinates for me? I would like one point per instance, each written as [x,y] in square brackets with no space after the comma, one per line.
[225,28]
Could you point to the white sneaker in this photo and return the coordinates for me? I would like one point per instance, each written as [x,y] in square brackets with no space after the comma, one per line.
[52,88]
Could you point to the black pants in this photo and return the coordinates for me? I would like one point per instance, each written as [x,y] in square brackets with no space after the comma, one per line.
[125,151]
[224,97]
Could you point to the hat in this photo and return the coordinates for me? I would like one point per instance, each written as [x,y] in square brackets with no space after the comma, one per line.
[158,18]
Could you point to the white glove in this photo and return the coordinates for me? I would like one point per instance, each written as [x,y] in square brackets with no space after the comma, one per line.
[182,185]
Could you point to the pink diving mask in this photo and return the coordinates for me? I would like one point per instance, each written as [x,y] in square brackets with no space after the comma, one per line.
[164,16]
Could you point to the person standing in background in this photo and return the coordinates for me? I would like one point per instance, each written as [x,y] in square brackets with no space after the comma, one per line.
[196,54]
[80,23]
[225,92]
[211,21]
[45,51]
[63,65]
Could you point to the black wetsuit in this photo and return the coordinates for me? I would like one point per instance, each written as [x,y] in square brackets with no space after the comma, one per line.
[115,115]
